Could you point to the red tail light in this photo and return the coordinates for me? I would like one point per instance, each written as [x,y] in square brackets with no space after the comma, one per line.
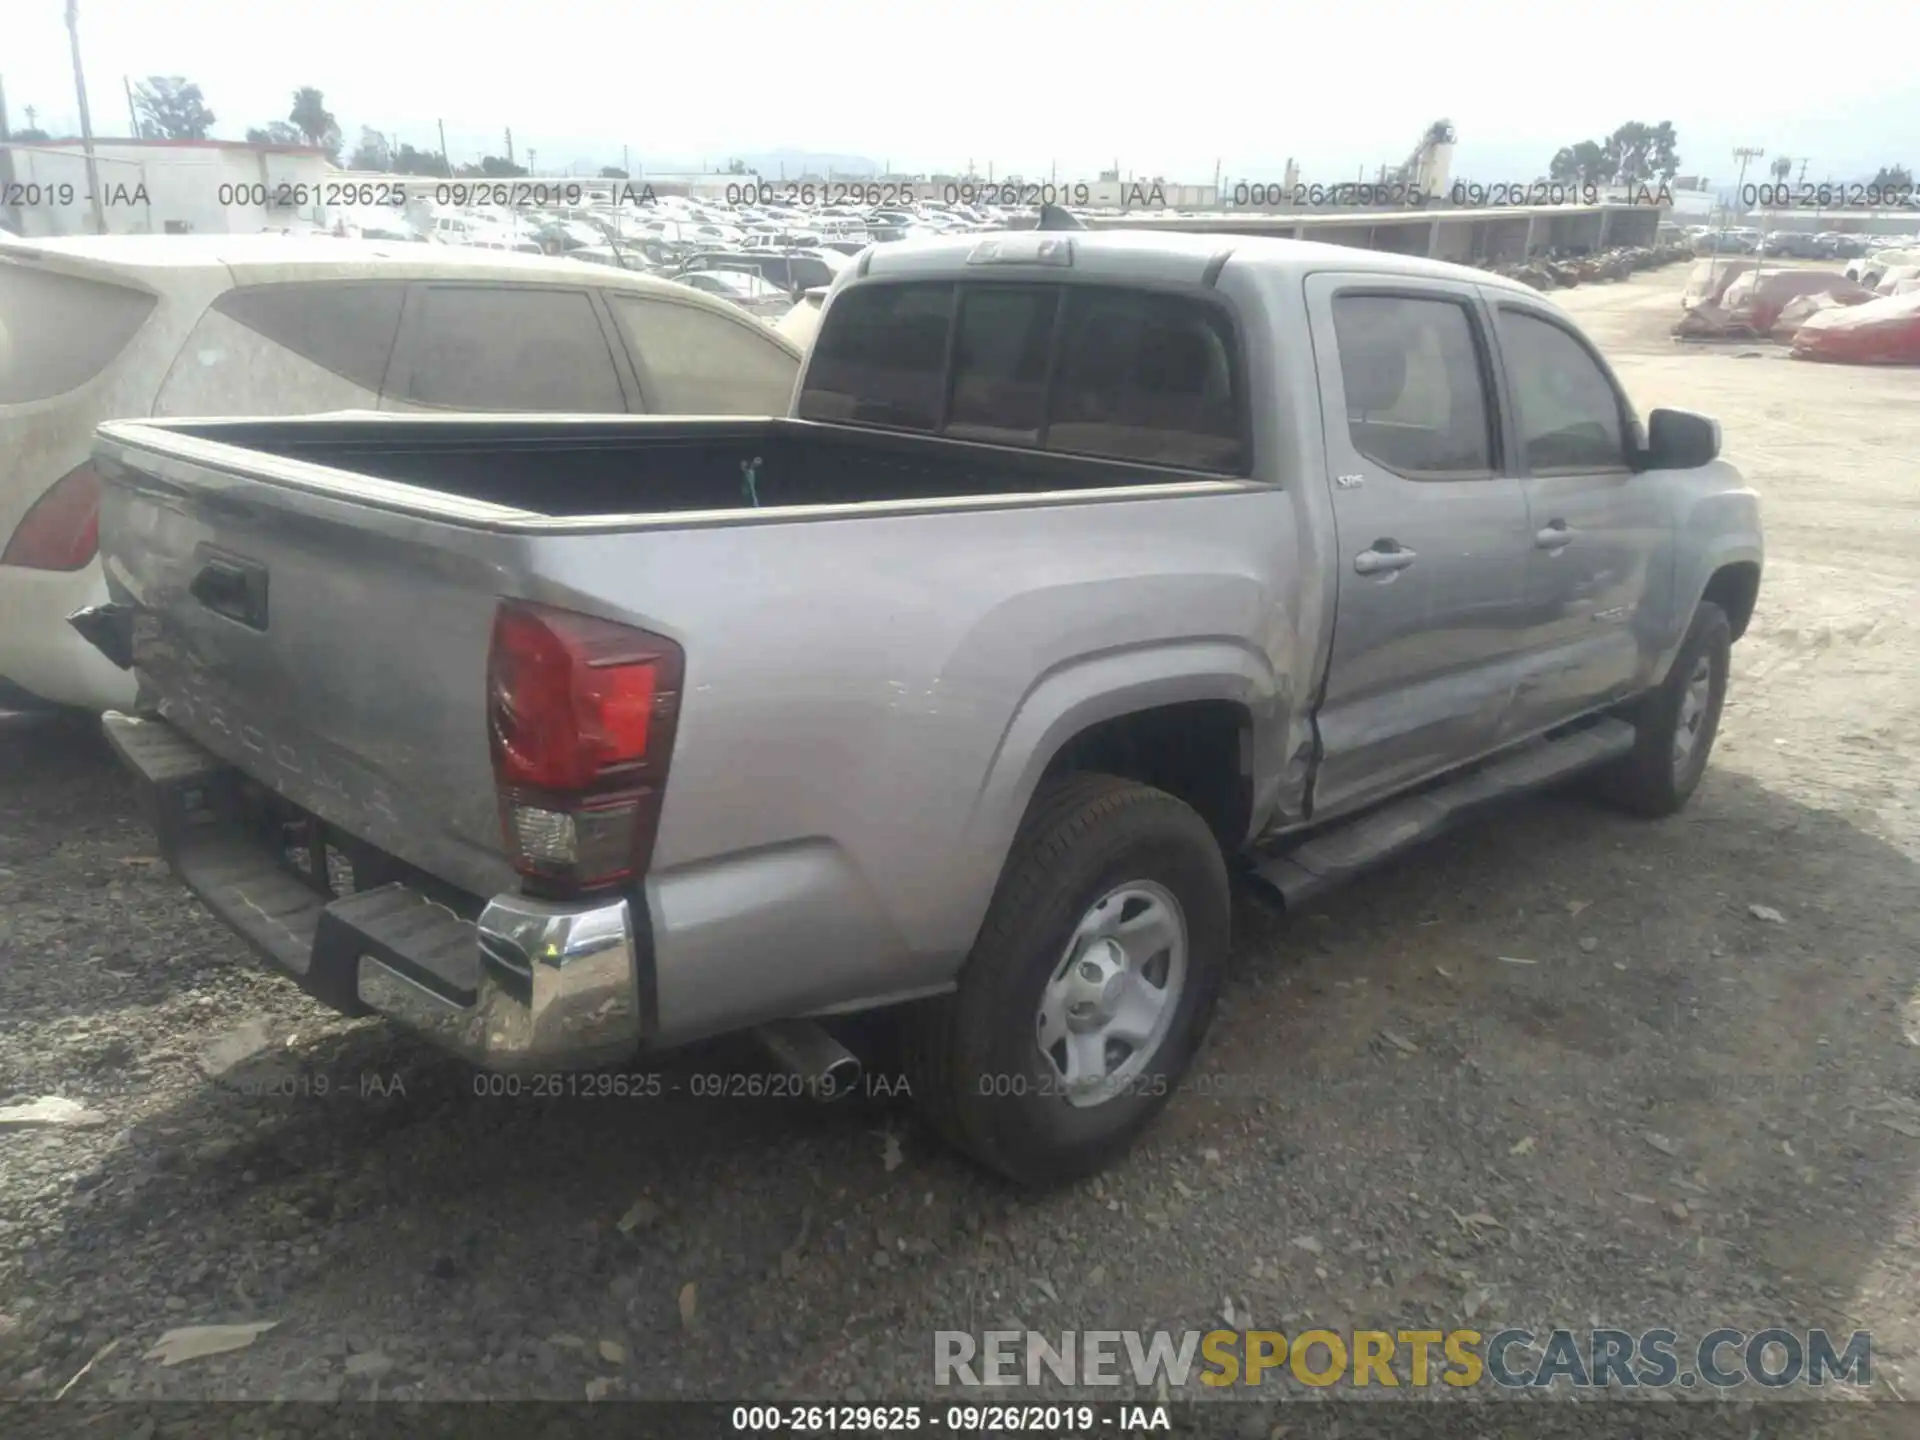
[62,530]
[581,715]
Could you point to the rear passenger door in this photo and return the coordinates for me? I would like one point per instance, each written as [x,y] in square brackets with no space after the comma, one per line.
[1601,547]
[1432,531]
[532,348]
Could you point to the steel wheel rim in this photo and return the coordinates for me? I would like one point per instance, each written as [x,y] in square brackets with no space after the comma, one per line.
[1694,701]
[1110,1001]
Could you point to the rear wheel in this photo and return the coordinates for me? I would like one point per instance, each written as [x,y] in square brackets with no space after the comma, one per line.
[1676,723]
[1089,988]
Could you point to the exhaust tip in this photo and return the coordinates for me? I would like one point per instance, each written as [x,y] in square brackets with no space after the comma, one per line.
[827,1068]
[839,1080]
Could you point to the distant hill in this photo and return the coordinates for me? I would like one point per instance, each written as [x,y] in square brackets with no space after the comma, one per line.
[772,164]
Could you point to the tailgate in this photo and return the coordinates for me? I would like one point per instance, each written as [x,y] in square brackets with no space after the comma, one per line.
[332,648]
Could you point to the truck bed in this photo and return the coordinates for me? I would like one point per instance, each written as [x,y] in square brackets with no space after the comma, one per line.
[592,466]
[311,601]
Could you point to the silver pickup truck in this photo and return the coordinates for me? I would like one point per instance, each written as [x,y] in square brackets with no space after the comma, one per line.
[1087,571]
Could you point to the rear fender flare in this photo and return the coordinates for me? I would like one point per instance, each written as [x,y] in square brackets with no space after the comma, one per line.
[1082,693]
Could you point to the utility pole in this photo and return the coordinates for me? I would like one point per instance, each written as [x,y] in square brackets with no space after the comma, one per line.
[509,144]
[6,162]
[1802,179]
[133,111]
[445,164]
[86,120]
[625,168]
[532,162]
[1745,154]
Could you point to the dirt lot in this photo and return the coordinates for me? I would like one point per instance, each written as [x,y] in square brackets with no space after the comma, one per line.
[1675,1112]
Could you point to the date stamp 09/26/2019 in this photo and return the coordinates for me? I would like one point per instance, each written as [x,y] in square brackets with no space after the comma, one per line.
[1462,195]
[522,194]
[301,1083]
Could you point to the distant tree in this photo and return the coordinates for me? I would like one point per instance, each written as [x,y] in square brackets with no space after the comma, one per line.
[1628,152]
[1896,176]
[491,167]
[613,172]
[170,107]
[1782,168]
[1663,155]
[275,132]
[30,133]
[372,153]
[1583,164]
[409,161]
[314,121]
[736,167]
[1634,153]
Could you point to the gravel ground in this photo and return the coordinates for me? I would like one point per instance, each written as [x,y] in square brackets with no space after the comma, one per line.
[1677,1111]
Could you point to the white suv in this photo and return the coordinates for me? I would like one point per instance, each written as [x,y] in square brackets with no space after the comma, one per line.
[104,328]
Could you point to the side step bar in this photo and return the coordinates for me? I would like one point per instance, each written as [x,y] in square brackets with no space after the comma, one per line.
[1310,868]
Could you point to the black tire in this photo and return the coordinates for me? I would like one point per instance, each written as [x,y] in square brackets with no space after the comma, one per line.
[976,1069]
[1649,781]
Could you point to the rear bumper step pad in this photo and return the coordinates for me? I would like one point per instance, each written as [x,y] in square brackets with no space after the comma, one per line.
[529,984]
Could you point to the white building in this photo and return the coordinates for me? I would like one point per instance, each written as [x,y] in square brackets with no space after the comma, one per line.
[177,187]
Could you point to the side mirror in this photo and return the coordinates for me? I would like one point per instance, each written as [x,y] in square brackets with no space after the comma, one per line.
[1680,440]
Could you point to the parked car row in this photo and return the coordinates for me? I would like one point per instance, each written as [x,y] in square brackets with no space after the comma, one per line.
[105,328]
[791,248]
[1870,269]
[1790,244]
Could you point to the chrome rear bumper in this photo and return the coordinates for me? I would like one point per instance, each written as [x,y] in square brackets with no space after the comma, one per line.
[527,984]
[556,987]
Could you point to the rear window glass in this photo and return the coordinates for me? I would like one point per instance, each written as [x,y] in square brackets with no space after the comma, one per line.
[1146,377]
[1000,365]
[58,332]
[882,359]
[1083,370]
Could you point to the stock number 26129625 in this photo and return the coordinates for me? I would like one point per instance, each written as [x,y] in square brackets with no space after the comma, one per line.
[831,192]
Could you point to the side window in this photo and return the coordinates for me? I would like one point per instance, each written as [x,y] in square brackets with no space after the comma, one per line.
[345,328]
[58,332]
[286,350]
[1146,377]
[807,271]
[474,347]
[881,357]
[1565,408]
[1000,365]
[1415,393]
[693,362]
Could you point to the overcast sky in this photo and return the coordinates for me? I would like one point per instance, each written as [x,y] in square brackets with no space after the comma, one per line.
[1164,88]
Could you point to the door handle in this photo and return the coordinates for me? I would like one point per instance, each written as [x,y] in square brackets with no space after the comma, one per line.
[1555,537]
[1381,560]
